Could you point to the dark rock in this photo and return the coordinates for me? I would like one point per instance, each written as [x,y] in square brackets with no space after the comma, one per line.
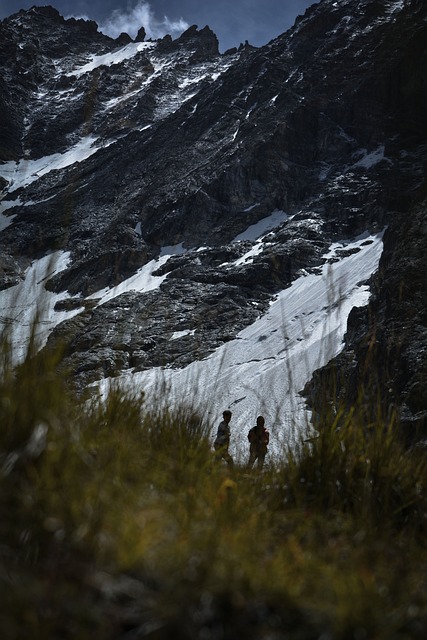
[385,359]
[140,36]
[231,51]
[123,39]
[11,272]
[204,43]
[69,304]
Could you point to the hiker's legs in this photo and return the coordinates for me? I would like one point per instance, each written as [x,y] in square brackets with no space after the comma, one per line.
[252,458]
[229,460]
[219,450]
[261,458]
[221,453]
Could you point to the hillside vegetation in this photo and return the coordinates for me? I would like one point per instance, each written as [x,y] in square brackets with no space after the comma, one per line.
[119,523]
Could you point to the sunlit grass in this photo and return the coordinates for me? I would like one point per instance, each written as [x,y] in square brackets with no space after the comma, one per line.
[117,521]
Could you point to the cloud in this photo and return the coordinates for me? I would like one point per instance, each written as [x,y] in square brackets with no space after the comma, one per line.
[142,15]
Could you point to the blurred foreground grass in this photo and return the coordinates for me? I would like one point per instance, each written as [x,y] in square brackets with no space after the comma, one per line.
[118,523]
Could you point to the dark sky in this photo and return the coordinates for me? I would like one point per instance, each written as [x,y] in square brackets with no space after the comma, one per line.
[234,21]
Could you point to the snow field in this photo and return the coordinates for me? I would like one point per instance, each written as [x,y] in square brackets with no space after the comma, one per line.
[263,370]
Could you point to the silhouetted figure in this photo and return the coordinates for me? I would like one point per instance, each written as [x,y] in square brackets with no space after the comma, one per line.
[259,438]
[222,440]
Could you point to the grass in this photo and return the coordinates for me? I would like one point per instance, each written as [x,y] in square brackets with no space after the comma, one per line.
[117,522]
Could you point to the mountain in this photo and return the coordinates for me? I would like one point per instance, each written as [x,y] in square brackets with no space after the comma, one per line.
[162,202]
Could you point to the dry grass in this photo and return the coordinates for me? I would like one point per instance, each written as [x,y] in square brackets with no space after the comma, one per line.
[118,523]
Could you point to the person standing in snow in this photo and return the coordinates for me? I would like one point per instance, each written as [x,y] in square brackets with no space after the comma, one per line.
[258,438]
[222,440]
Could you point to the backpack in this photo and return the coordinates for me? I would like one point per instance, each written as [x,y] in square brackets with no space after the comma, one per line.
[252,435]
[264,439]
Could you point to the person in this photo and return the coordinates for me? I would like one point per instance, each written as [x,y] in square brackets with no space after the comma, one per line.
[222,440]
[258,438]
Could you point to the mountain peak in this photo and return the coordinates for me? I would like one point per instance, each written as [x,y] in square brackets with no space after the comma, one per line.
[204,41]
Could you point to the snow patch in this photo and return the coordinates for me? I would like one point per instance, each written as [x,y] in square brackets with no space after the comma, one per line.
[249,255]
[253,206]
[396,6]
[29,306]
[109,59]
[189,81]
[24,172]
[6,221]
[180,334]
[141,282]
[173,250]
[369,160]
[275,219]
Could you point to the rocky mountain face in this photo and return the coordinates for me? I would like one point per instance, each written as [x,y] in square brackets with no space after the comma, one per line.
[126,154]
